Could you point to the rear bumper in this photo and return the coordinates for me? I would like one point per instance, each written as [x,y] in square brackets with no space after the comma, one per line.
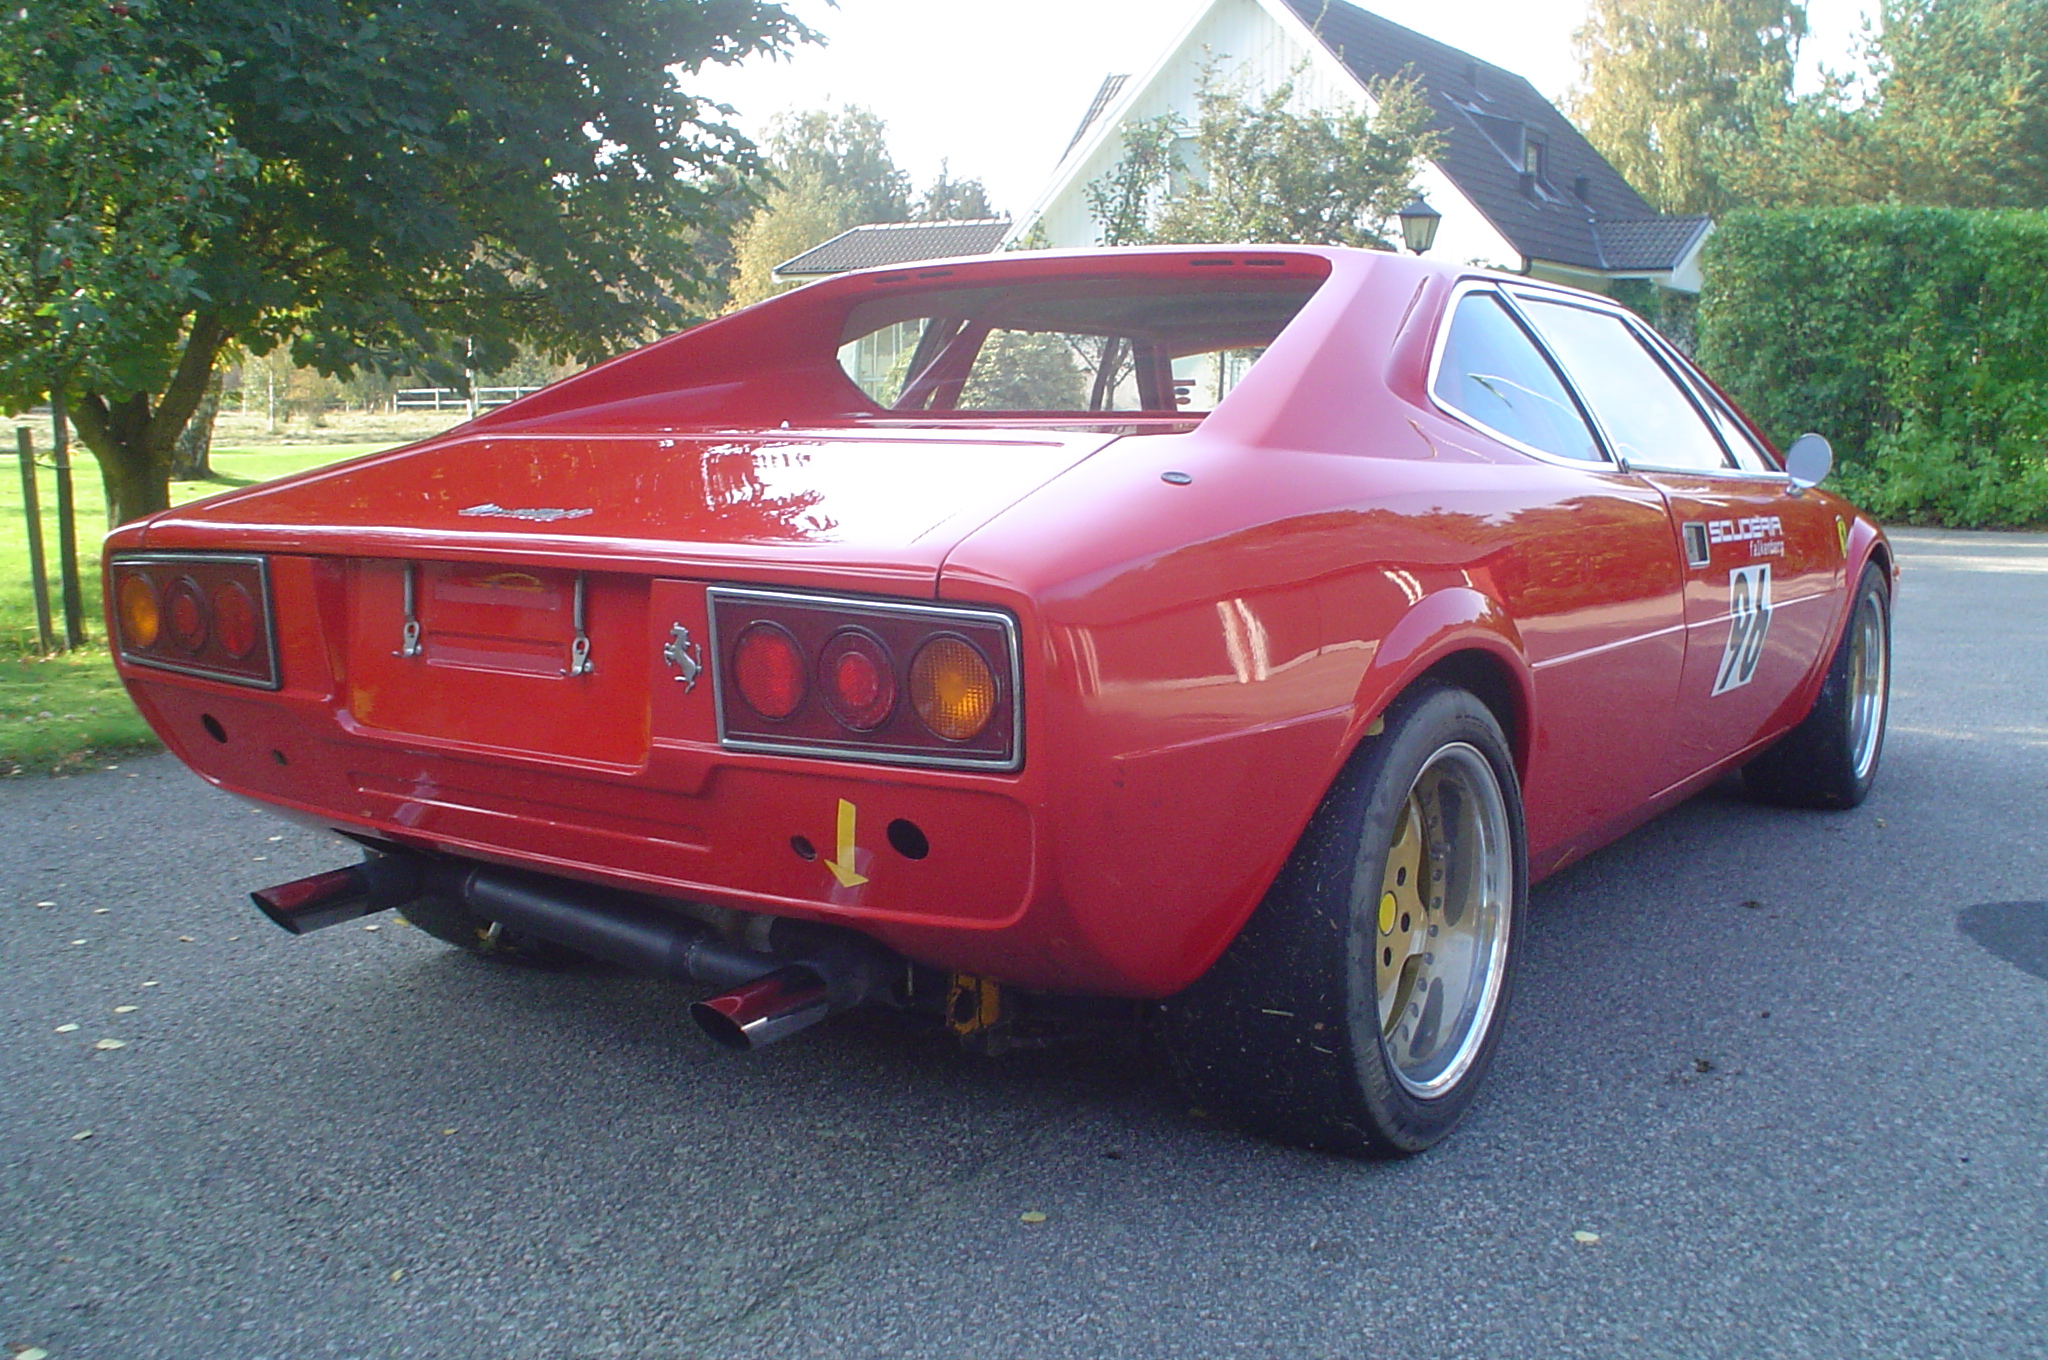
[942,868]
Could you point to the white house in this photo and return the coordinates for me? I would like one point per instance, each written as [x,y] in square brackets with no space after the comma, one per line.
[1518,187]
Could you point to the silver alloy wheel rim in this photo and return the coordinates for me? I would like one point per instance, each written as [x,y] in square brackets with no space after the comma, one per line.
[1445,907]
[1869,682]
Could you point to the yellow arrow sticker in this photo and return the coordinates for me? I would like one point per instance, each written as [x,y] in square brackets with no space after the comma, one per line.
[842,866]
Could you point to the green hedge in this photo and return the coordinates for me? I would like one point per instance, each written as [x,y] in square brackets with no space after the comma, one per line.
[1915,339]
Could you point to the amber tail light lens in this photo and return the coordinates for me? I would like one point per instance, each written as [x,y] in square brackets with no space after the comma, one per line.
[953,688]
[891,682]
[141,612]
[199,614]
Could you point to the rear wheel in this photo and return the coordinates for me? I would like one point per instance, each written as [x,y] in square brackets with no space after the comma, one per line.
[1361,1005]
[1830,759]
[453,923]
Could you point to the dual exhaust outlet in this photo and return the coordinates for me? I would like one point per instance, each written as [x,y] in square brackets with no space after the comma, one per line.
[800,975]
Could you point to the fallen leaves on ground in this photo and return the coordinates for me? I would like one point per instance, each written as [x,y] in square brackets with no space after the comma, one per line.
[105,1044]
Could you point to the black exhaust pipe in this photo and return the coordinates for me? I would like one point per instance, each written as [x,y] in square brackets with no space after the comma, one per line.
[379,883]
[604,924]
[805,974]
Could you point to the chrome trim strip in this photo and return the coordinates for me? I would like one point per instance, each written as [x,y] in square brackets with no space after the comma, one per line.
[859,604]
[1605,647]
[262,565]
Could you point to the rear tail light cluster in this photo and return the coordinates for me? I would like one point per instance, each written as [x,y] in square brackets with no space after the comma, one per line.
[201,614]
[899,684]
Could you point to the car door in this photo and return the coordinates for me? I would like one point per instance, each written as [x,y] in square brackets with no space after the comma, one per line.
[1761,567]
[1587,574]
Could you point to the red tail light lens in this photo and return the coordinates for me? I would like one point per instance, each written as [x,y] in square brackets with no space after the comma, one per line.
[198,613]
[236,621]
[185,608]
[770,671]
[859,680]
[848,678]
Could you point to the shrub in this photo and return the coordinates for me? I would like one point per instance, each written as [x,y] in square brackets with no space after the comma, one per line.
[1916,339]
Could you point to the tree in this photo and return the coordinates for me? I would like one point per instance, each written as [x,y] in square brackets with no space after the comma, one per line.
[386,187]
[1665,81]
[829,172]
[845,153]
[117,161]
[1950,110]
[1125,200]
[1264,172]
[953,200]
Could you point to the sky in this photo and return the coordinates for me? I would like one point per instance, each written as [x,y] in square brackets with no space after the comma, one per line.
[995,87]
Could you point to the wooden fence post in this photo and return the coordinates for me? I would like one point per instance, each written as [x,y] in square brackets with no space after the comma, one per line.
[38,574]
[67,528]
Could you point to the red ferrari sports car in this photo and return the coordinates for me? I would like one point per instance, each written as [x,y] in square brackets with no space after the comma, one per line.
[1229,634]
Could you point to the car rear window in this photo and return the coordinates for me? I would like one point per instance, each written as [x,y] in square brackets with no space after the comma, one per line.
[1169,346]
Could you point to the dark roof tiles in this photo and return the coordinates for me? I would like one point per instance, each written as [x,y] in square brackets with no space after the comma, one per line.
[886,243]
[1518,159]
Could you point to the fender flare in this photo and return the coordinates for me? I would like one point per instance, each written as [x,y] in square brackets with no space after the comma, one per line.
[1866,543]
[1435,628]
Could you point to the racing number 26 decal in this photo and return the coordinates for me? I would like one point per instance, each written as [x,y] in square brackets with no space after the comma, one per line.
[1749,618]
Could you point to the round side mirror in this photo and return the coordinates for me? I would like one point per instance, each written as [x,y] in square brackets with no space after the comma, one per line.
[1808,462]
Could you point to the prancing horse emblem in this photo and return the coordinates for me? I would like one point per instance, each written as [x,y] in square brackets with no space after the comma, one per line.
[685,656]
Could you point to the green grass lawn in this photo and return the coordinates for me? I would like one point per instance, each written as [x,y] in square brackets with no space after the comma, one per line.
[60,712]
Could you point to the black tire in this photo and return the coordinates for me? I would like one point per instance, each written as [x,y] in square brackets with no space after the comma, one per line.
[453,923]
[1284,1036]
[1830,759]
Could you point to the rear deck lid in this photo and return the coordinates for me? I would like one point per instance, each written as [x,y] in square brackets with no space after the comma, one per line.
[885,505]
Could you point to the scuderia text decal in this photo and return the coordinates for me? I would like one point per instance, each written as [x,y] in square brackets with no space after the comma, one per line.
[1765,534]
[1749,618]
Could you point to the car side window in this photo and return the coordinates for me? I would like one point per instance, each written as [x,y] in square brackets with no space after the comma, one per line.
[1493,373]
[1648,416]
[1749,455]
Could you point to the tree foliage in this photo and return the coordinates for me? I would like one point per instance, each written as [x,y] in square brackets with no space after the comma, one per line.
[1950,109]
[1267,173]
[1911,337]
[953,200]
[1126,198]
[1257,169]
[388,186]
[828,172]
[115,164]
[1665,82]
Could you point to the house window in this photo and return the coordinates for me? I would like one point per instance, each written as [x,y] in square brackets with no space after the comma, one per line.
[1533,160]
[1185,168]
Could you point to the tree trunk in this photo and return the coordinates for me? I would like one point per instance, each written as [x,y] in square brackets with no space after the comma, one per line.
[134,443]
[134,488]
[191,460]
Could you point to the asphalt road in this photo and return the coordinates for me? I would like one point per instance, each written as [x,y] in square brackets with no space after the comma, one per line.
[1756,1053]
